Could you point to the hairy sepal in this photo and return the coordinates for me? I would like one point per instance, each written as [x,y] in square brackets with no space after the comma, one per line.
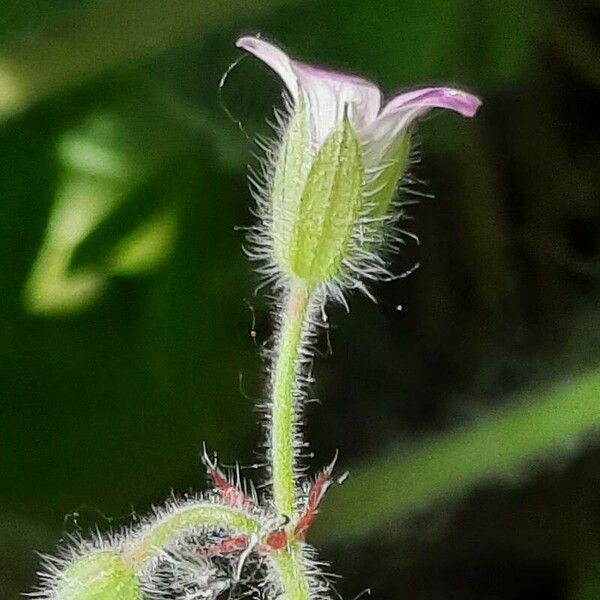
[329,209]
[381,187]
[293,165]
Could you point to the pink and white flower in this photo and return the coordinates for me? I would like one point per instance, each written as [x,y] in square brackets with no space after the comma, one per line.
[332,176]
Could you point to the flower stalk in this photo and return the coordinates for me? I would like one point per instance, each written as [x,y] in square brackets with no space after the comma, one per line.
[184,521]
[284,431]
[289,567]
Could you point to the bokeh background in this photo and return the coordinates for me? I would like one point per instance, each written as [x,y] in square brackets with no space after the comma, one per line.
[466,403]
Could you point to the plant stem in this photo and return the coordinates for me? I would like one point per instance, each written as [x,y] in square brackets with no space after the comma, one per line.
[289,566]
[186,520]
[284,433]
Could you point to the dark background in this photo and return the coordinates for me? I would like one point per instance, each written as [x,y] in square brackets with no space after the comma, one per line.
[468,419]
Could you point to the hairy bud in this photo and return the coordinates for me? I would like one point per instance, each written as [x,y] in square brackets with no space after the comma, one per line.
[102,575]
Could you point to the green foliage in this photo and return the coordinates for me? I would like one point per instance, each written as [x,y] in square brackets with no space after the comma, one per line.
[448,40]
[398,485]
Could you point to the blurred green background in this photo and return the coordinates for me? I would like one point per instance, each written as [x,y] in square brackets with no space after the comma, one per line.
[469,419]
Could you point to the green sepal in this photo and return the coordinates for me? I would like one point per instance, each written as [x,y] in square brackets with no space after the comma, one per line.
[292,168]
[329,208]
[396,164]
[103,575]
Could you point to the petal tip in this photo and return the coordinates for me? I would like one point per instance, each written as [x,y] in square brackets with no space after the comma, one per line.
[471,104]
[454,99]
[246,42]
[459,101]
[273,56]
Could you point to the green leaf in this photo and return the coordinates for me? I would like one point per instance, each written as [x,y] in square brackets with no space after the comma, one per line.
[397,485]
[105,37]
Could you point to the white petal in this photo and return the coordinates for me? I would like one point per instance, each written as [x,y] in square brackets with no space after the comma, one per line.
[330,95]
[273,57]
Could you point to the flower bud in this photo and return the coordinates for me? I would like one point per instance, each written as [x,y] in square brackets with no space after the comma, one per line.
[102,575]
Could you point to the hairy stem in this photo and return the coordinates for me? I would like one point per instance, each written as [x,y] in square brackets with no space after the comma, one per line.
[289,567]
[187,520]
[293,330]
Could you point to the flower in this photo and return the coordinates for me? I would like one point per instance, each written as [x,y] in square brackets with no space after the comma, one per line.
[335,173]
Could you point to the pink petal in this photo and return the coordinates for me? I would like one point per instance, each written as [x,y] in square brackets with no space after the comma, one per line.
[329,94]
[440,97]
[273,57]
[404,110]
